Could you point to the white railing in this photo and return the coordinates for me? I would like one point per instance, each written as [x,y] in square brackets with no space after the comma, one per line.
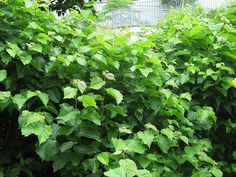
[144,12]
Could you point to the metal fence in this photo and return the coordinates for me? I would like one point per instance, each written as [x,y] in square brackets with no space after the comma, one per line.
[139,13]
[144,12]
[212,3]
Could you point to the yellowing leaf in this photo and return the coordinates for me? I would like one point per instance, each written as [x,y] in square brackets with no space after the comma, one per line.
[81,85]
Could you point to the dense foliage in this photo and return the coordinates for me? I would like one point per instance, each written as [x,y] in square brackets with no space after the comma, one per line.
[80,101]
[202,49]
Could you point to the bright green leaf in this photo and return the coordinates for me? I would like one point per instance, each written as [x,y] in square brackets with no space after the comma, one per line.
[116,94]
[19,100]
[146,137]
[97,83]
[129,167]
[87,101]
[145,71]
[37,48]
[69,92]
[3,75]
[103,158]
[144,173]
[43,97]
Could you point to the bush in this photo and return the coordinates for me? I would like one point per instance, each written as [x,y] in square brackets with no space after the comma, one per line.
[202,50]
[94,103]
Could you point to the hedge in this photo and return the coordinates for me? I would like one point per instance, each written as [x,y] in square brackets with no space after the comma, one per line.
[88,102]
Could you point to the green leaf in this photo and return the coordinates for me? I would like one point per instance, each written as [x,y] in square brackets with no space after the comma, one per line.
[54,94]
[67,145]
[129,167]
[34,123]
[84,49]
[19,100]
[60,162]
[43,97]
[116,110]
[24,57]
[103,158]
[124,130]
[69,92]
[164,143]
[11,52]
[144,173]
[146,137]
[184,139]
[47,150]
[186,96]
[3,75]
[91,114]
[233,82]
[234,155]
[5,95]
[91,132]
[201,173]
[43,38]
[67,113]
[216,172]
[116,94]
[233,167]
[117,172]
[43,133]
[97,83]
[37,48]
[145,71]
[198,32]
[87,101]
[35,118]
[119,144]
[168,132]
[135,146]
[91,164]
[128,145]
[59,38]
[14,49]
